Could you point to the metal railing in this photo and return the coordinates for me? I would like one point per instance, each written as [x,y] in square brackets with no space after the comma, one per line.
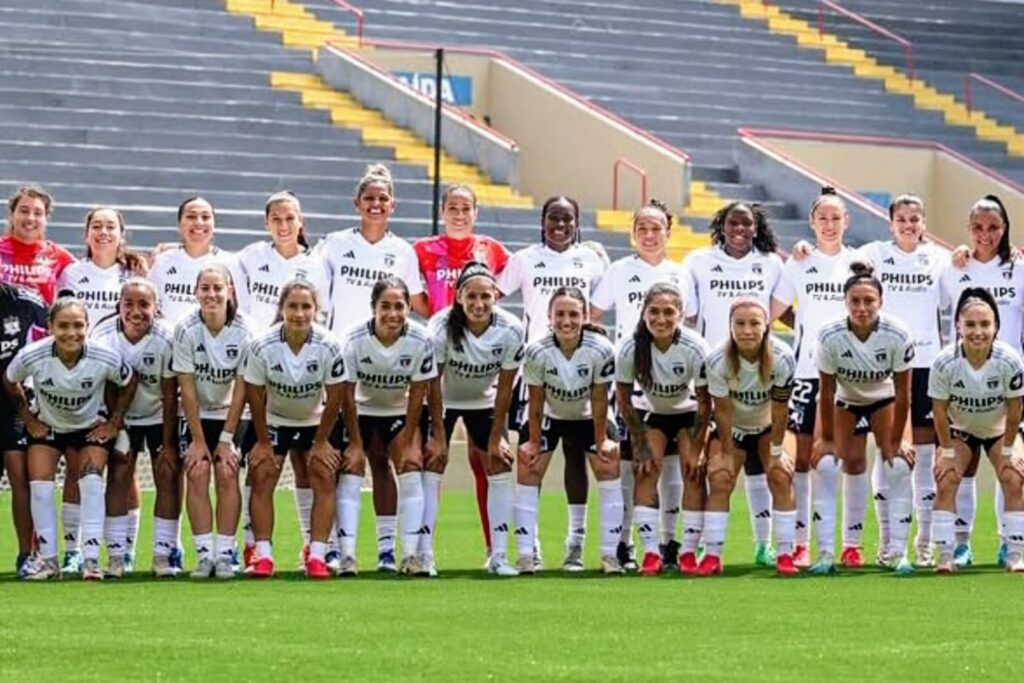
[619,164]
[908,47]
[998,87]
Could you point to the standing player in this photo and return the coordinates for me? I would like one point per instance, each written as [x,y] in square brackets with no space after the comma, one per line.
[210,347]
[288,372]
[666,361]
[71,378]
[864,361]
[27,259]
[623,289]
[977,384]
[741,261]
[144,342]
[390,362]
[568,373]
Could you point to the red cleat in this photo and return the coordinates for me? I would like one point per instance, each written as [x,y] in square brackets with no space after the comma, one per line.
[304,556]
[709,566]
[785,566]
[801,557]
[262,568]
[851,557]
[651,565]
[688,564]
[248,555]
[317,569]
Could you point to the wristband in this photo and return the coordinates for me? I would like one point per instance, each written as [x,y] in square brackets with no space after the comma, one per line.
[227,437]
[947,453]
[776,450]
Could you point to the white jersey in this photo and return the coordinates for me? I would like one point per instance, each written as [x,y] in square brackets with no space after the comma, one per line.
[295,382]
[470,368]
[383,373]
[150,358]
[814,286]
[567,382]
[266,271]
[751,398]
[626,283]
[718,279]
[1005,281]
[354,266]
[912,290]
[214,361]
[674,373]
[99,289]
[174,273]
[69,399]
[539,270]
[864,369]
[977,398]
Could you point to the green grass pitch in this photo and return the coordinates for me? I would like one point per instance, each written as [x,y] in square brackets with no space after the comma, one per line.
[465,625]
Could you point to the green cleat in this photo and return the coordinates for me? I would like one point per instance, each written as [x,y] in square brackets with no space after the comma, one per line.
[764,555]
[904,567]
[825,565]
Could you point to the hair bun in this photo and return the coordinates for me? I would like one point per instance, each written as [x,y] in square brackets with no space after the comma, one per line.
[658,204]
[827,190]
[862,269]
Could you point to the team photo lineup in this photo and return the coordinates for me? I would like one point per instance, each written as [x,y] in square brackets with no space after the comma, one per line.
[356,357]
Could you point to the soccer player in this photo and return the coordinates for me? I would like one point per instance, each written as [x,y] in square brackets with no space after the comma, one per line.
[210,347]
[741,261]
[390,362]
[71,378]
[622,289]
[478,347]
[27,259]
[24,320]
[749,378]
[666,361]
[864,362]
[976,385]
[568,373]
[287,373]
[175,269]
[144,341]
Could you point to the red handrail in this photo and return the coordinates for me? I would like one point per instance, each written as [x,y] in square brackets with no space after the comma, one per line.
[623,162]
[908,47]
[999,88]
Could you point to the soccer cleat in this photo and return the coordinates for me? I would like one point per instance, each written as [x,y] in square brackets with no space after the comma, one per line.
[963,555]
[710,565]
[764,555]
[923,557]
[688,563]
[177,559]
[410,565]
[262,568]
[317,569]
[386,562]
[946,565]
[236,561]
[801,557]
[1014,563]
[91,570]
[852,558]
[347,566]
[610,565]
[499,566]
[19,564]
[224,567]
[115,567]
[303,556]
[785,565]
[903,567]
[162,567]
[72,563]
[1001,555]
[426,566]
[248,554]
[652,564]
[573,561]
[129,563]
[825,565]
[204,568]
[333,560]
[883,559]
[538,559]
[670,554]
[626,555]
[38,569]
[526,565]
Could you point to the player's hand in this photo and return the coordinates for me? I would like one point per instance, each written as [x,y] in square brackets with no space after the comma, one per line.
[529,454]
[261,455]
[499,453]
[607,451]
[353,459]
[227,454]
[195,454]
[905,451]
[1017,463]
[820,449]
[786,462]
[643,455]
[693,464]
[961,256]
[101,433]
[943,467]
[436,454]
[321,452]
[36,428]
[801,250]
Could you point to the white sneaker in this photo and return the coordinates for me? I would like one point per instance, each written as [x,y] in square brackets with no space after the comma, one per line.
[526,565]
[573,561]
[162,567]
[91,570]
[347,566]
[427,567]
[115,567]
[223,568]
[1014,563]
[410,565]
[204,568]
[499,566]
[38,569]
[883,559]
[924,557]
[610,565]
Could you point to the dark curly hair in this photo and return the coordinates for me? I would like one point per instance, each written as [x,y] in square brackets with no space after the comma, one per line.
[764,237]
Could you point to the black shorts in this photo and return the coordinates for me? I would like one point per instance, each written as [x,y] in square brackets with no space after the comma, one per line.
[553,431]
[283,439]
[748,445]
[148,437]
[975,443]
[65,440]
[670,426]
[477,422]
[211,434]
[864,412]
[386,427]
[12,431]
[920,401]
[803,409]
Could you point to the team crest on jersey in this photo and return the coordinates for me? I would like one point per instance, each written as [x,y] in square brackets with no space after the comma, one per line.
[405,361]
[312,366]
[12,325]
[881,355]
[389,260]
[992,382]
[1007,274]
[577,263]
[232,351]
[87,383]
[148,359]
[496,350]
[756,269]
[301,275]
[582,370]
[922,259]
[678,369]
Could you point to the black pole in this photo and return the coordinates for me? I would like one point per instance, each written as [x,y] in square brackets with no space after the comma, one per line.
[437,141]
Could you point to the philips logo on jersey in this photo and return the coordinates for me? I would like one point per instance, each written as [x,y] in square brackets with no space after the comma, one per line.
[448,274]
[666,390]
[65,403]
[381,380]
[265,289]
[474,369]
[217,375]
[863,376]
[751,398]
[369,274]
[296,390]
[554,282]
[737,285]
[824,288]
[976,403]
[568,394]
[178,288]
[1003,294]
[98,297]
[915,279]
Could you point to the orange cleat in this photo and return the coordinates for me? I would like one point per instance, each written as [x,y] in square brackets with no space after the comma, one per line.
[709,566]
[651,565]
[851,557]
[262,568]
[317,569]
[801,557]
[786,566]
[688,564]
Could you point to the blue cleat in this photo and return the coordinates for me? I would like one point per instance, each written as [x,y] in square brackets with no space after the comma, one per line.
[20,564]
[903,567]
[1004,551]
[176,559]
[386,562]
[236,561]
[129,563]
[963,556]
[825,566]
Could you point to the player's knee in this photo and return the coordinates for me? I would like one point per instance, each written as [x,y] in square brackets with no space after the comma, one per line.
[199,473]
[322,476]
[778,477]
[721,480]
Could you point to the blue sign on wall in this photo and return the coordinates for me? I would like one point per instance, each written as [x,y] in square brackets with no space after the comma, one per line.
[457,90]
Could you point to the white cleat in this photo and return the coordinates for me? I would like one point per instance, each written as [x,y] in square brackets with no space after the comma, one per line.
[427,567]
[410,566]
[204,569]
[526,565]
[38,569]
[1014,563]
[91,570]
[347,566]
[924,557]
[610,565]
[499,566]
[115,567]
[573,561]
[163,569]
[223,568]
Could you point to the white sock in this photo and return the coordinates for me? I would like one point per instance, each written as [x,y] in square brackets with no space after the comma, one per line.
[1014,531]
[225,546]
[250,540]
[204,546]
[304,509]
[576,533]
[431,504]
[924,493]
[264,549]
[670,496]
[785,530]
[715,526]
[966,503]
[802,489]
[855,505]
[646,520]
[628,485]
[410,511]
[693,526]
[901,505]
[71,522]
[759,499]
[609,504]
[880,487]
[500,494]
[93,511]
[134,520]
[318,550]
[115,532]
[348,496]
[165,536]
[824,493]
[943,522]
[999,501]
[44,516]
[527,502]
